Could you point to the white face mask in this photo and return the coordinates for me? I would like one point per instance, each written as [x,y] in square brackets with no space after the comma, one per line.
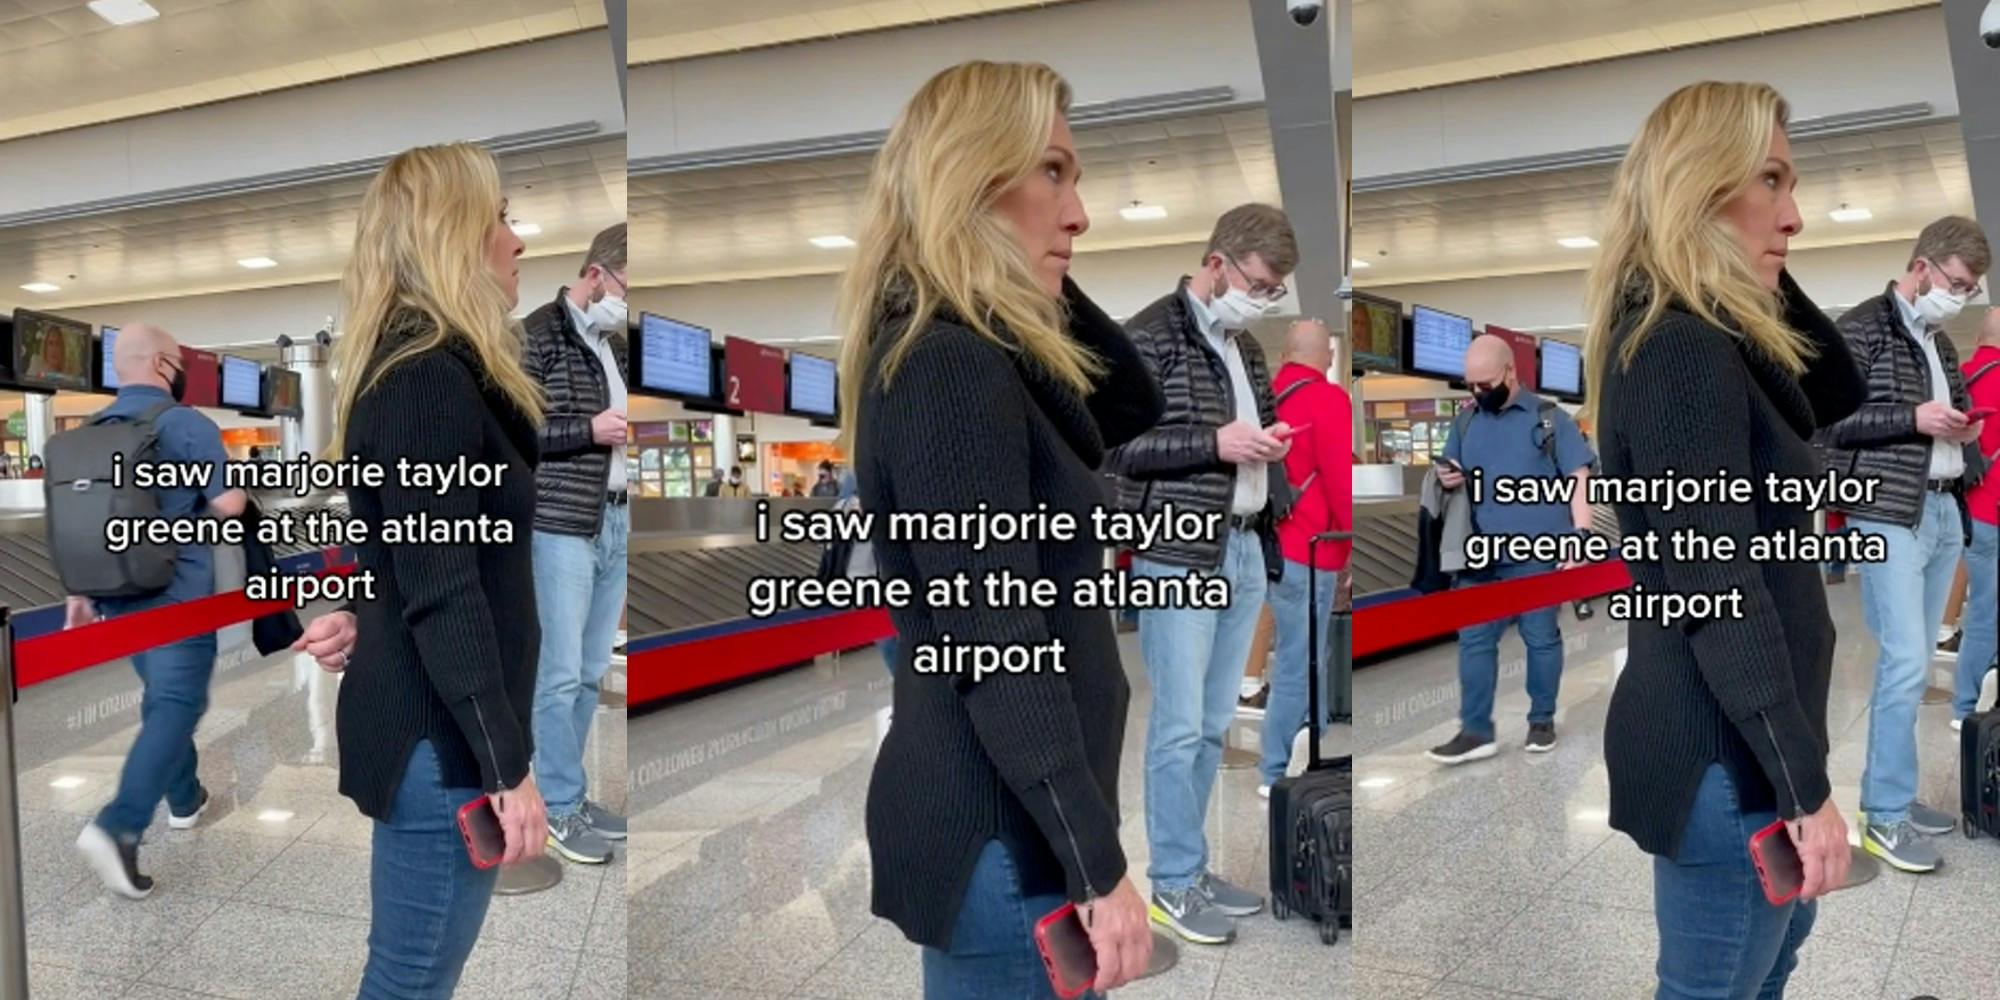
[1237,309]
[1939,306]
[607,314]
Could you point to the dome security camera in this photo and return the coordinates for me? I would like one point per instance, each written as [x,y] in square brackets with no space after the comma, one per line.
[1989,24]
[1305,12]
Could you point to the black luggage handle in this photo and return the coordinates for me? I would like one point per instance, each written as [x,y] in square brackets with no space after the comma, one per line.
[1312,639]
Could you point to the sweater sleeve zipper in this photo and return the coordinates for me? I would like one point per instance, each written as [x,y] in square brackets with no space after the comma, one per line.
[1784,767]
[492,752]
[1089,891]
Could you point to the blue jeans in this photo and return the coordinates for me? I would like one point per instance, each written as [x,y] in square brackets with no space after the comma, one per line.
[993,955]
[1194,661]
[1719,937]
[1285,713]
[887,647]
[1479,656]
[161,763]
[1982,594]
[426,900]
[1902,601]
[580,589]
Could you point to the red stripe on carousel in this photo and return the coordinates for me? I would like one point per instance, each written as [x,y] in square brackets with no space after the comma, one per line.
[692,666]
[59,653]
[1401,623]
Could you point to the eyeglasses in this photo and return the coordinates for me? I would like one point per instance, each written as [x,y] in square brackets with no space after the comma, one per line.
[1969,289]
[1263,291]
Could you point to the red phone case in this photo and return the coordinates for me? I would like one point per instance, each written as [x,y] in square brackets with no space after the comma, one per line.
[1779,868]
[1066,952]
[477,822]
[1977,414]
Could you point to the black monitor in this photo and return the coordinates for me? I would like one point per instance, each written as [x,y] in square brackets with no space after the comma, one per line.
[281,393]
[47,353]
[674,359]
[1375,328]
[242,384]
[812,386]
[107,371]
[1561,370]
[1438,342]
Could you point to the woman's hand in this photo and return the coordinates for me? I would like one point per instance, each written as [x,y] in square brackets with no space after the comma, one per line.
[524,819]
[1119,932]
[329,639]
[78,612]
[1821,839]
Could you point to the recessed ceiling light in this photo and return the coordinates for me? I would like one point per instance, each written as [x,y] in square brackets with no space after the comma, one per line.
[122,12]
[1845,214]
[832,242]
[526,229]
[67,782]
[257,263]
[1137,212]
[1359,264]
[1577,242]
[40,287]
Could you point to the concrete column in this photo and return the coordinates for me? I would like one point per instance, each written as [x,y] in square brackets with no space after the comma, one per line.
[310,434]
[1975,69]
[614,18]
[40,414]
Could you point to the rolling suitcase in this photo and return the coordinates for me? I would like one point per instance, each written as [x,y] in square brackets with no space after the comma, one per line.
[1979,773]
[1312,815]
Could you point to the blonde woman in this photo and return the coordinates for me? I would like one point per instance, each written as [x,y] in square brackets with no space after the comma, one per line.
[973,371]
[1703,355]
[435,707]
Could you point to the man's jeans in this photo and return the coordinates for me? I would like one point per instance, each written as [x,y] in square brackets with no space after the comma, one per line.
[162,760]
[1979,621]
[993,955]
[1194,662]
[1285,713]
[426,900]
[1902,601]
[1719,936]
[1479,656]
[580,590]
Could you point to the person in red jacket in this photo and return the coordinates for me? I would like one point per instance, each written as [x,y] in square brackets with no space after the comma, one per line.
[1320,468]
[1977,647]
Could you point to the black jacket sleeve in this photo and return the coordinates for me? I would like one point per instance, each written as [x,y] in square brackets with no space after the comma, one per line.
[562,434]
[1873,423]
[1167,451]
[1689,381]
[1126,401]
[1832,381]
[443,603]
[945,456]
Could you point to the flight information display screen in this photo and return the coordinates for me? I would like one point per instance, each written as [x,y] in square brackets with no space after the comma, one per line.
[281,393]
[51,352]
[1438,341]
[812,388]
[1377,327]
[1562,368]
[674,357]
[108,378]
[242,384]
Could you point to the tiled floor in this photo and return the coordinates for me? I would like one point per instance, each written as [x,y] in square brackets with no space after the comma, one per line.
[1501,878]
[750,872]
[269,896]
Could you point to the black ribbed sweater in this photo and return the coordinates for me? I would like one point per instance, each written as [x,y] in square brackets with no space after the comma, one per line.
[1031,760]
[447,650]
[1750,693]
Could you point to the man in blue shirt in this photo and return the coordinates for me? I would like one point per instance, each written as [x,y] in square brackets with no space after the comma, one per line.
[175,677]
[1513,434]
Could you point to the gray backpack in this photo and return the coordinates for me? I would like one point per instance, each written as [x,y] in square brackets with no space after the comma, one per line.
[81,501]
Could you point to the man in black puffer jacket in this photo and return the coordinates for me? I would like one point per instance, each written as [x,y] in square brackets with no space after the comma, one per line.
[1217,452]
[1911,437]
[576,348]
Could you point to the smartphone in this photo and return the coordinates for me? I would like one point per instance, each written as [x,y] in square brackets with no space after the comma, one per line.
[1974,416]
[1779,867]
[1067,952]
[484,840]
[1449,464]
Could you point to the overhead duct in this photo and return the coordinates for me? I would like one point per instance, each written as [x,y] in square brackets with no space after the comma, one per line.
[1122,111]
[534,141]
[1827,126]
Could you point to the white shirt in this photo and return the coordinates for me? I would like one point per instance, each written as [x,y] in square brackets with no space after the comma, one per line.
[1947,459]
[1253,488]
[600,341]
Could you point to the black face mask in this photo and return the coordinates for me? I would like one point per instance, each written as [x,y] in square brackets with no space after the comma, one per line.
[1492,400]
[178,387]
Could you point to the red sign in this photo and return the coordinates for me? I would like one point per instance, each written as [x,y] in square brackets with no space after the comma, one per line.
[204,377]
[1525,366]
[753,376]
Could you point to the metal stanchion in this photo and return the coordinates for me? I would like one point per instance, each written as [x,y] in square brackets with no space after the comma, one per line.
[13,908]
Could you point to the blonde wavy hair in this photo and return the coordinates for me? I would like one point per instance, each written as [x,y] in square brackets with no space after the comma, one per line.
[1667,241]
[930,241]
[420,247]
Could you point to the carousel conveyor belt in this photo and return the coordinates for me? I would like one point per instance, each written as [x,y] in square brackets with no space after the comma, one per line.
[689,588]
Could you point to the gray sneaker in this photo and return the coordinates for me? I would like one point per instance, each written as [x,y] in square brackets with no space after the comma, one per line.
[1901,847]
[608,824]
[572,837]
[1190,914]
[1231,899]
[1931,822]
